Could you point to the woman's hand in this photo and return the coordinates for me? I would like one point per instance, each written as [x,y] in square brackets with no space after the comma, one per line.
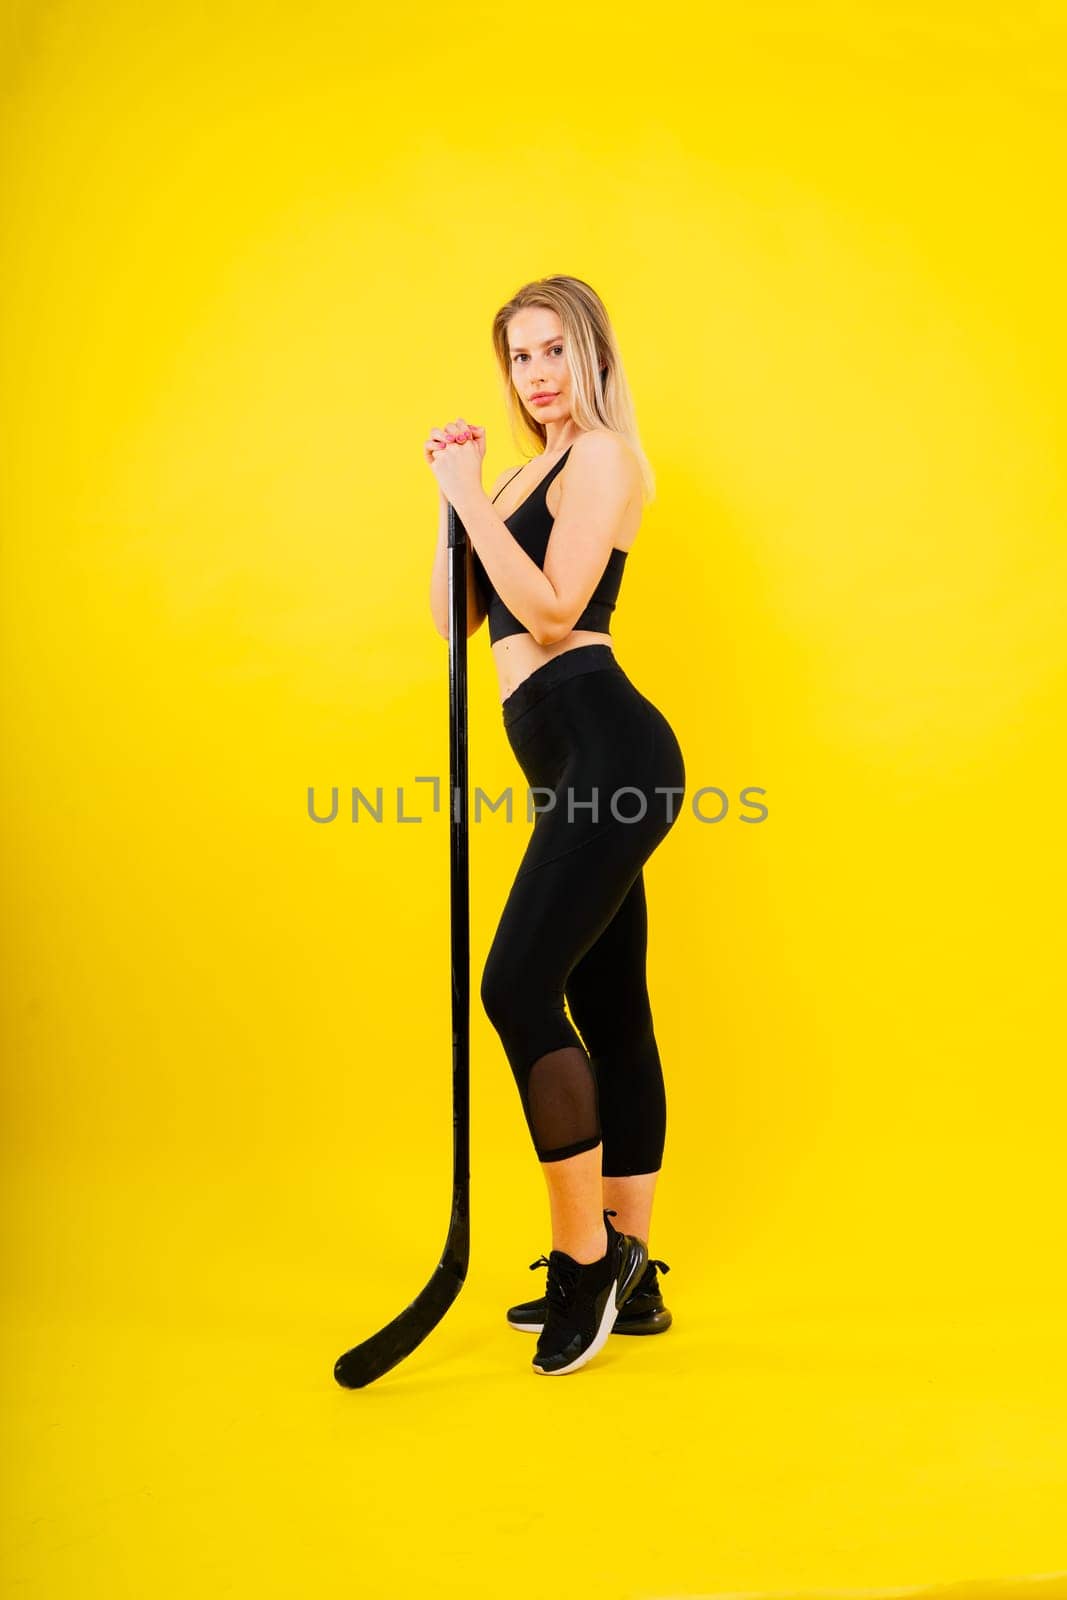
[455,454]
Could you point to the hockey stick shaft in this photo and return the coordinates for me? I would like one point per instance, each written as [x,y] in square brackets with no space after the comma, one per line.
[374,1356]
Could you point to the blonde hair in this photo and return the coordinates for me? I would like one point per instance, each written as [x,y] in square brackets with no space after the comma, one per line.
[600,393]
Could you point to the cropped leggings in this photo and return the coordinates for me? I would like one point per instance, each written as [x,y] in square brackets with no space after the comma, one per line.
[607,777]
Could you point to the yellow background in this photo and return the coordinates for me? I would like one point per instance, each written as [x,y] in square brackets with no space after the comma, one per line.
[250,256]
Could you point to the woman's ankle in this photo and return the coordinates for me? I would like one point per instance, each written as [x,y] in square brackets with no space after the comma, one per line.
[586,1248]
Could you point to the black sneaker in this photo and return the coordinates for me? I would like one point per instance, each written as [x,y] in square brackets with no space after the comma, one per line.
[644,1311]
[584,1300]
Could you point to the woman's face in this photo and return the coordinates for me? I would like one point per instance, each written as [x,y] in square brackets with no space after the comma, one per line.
[538,363]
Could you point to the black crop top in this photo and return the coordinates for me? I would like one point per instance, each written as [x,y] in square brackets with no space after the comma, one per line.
[531,524]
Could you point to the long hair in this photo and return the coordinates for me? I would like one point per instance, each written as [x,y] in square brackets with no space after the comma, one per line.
[601,394]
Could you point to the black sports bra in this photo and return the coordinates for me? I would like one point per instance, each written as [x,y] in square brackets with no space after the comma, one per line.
[531,524]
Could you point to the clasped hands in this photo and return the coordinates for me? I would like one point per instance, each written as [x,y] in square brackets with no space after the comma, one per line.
[454,455]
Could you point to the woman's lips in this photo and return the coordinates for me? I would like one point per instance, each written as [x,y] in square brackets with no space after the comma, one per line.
[543,399]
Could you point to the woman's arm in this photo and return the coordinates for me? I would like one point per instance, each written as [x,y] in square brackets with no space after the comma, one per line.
[439,576]
[600,480]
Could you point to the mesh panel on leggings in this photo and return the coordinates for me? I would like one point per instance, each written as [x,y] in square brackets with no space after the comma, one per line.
[561,1104]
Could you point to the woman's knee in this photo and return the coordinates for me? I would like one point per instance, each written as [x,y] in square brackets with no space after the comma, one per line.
[504,996]
[527,1009]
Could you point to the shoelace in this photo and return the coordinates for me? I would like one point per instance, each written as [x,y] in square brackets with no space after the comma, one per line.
[562,1277]
[653,1261]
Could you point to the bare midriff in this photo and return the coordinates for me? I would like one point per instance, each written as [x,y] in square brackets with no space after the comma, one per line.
[519,654]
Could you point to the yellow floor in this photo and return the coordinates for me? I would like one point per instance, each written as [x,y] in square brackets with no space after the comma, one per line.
[173,1429]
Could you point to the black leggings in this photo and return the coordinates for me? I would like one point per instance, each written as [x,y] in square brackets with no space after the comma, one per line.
[595,754]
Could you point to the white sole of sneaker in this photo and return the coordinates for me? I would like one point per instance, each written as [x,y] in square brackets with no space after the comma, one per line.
[535,1327]
[600,1338]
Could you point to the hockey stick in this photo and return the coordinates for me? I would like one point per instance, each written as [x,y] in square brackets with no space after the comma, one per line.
[384,1349]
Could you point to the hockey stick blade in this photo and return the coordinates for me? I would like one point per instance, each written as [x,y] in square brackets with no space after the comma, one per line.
[391,1344]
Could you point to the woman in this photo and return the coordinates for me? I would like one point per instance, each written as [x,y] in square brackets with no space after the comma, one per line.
[608,778]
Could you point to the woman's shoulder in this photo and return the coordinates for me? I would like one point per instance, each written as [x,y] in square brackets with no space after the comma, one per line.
[605,443]
[600,432]
[610,450]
